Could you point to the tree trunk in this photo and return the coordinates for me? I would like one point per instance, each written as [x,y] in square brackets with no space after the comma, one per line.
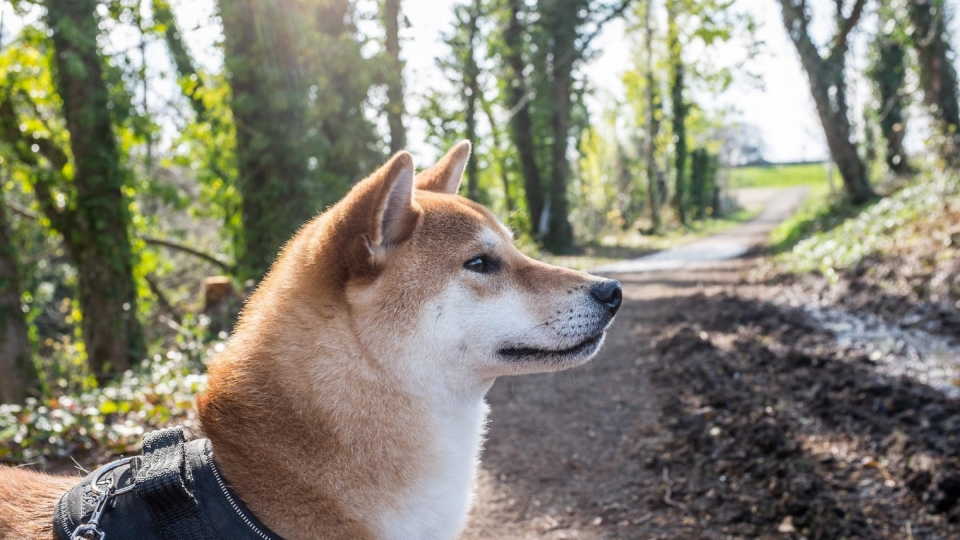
[889,73]
[521,122]
[698,182]
[18,375]
[395,109]
[559,237]
[938,76]
[828,86]
[679,111]
[270,110]
[650,148]
[470,78]
[298,81]
[97,233]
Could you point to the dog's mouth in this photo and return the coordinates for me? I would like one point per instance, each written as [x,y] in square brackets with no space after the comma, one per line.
[584,348]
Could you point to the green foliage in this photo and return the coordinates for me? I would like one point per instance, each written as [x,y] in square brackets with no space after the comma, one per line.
[828,235]
[206,148]
[114,417]
[704,189]
[680,74]
[820,212]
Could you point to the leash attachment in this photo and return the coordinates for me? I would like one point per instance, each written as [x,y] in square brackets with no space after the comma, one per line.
[105,491]
[91,530]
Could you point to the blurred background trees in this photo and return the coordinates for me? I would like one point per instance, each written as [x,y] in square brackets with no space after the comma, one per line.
[120,199]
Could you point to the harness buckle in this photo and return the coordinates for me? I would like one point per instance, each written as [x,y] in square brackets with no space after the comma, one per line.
[88,532]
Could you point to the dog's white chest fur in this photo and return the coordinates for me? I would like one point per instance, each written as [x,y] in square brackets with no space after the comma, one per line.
[437,507]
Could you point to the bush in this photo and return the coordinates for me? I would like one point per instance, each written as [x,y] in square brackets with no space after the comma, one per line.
[159,392]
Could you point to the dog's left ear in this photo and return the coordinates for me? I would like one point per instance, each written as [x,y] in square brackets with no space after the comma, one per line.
[444,177]
[378,214]
[395,212]
[381,212]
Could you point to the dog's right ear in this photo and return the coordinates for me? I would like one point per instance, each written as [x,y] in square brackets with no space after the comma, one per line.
[444,177]
[382,212]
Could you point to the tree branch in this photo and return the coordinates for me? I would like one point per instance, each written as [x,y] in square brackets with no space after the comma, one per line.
[227,267]
[796,23]
[21,211]
[617,12]
[162,299]
[846,25]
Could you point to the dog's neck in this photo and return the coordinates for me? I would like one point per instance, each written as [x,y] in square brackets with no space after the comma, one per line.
[318,442]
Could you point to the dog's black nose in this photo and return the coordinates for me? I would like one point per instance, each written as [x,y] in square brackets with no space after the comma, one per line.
[608,293]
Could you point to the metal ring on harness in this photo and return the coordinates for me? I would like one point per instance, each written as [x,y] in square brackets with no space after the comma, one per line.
[98,477]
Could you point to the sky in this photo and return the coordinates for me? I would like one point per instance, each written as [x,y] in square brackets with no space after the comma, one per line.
[781,107]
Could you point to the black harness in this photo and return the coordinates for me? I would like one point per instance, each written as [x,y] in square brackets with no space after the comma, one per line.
[173,492]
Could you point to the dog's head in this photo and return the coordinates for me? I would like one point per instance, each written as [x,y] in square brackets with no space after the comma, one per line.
[433,284]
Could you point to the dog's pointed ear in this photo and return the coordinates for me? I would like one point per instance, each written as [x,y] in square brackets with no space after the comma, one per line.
[394,212]
[444,177]
[381,210]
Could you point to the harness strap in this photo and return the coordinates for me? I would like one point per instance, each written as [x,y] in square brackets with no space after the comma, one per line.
[161,484]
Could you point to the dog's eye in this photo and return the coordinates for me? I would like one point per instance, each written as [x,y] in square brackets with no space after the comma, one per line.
[482,264]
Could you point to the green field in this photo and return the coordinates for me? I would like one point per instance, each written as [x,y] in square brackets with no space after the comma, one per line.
[779,175]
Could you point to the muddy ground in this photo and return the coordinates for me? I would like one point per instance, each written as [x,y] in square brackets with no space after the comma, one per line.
[729,403]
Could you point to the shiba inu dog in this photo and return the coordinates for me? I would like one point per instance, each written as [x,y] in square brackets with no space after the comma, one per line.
[349,403]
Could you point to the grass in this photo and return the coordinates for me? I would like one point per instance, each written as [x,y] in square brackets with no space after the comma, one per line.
[778,175]
[820,212]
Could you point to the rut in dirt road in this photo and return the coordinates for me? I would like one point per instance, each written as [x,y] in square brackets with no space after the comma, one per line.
[716,411]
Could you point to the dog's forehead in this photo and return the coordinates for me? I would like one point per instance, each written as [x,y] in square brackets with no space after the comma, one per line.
[463,219]
[494,235]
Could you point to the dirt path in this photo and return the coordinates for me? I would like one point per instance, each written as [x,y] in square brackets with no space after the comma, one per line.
[710,414]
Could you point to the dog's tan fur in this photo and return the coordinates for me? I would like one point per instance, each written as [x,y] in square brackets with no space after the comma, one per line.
[314,421]
[27,499]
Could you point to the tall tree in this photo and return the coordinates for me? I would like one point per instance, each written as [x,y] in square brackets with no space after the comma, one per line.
[521,121]
[561,36]
[94,220]
[395,108]
[938,75]
[561,20]
[453,114]
[299,81]
[828,84]
[269,106]
[471,79]
[19,376]
[888,71]
[679,108]
[652,123]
